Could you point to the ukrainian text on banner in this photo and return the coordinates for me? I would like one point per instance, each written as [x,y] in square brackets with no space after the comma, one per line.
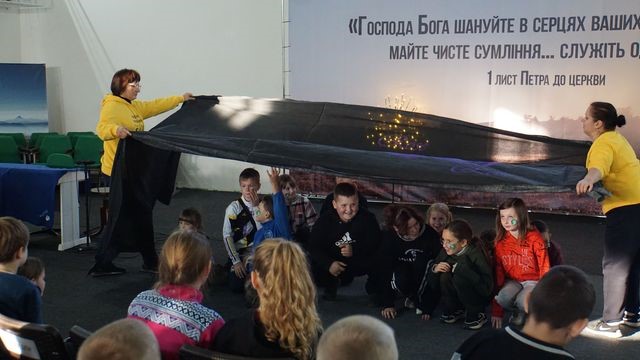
[529,67]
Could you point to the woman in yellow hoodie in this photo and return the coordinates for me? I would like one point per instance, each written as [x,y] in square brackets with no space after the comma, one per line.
[612,160]
[122,113]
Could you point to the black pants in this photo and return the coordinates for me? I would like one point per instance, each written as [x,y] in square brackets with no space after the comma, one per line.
[130,230]
[457,293]
[621,262]
[323,278]
[408,278]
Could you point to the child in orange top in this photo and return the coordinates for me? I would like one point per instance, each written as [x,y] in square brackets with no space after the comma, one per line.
[521,258]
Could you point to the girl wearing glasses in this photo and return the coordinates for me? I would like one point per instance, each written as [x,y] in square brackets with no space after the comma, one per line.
[461,277]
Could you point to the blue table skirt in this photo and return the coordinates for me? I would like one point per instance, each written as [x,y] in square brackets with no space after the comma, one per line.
[28,192]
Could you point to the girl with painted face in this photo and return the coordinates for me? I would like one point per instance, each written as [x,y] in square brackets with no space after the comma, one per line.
[460,277]
[521,258]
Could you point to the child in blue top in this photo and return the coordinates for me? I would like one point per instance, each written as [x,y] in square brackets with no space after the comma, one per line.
[19,298]
[272,213]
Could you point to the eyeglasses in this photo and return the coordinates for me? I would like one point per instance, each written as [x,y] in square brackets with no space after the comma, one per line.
[135,85]
[185,221]
[448,242]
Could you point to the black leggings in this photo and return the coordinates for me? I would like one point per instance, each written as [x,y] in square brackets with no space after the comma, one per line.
[621,262]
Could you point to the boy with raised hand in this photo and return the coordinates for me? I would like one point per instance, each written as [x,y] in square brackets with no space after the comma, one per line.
[344,243]
[240,226]
[19,298]
[558,306]
[272,213]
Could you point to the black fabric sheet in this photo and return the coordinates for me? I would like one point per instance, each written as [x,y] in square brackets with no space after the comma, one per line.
[349,140]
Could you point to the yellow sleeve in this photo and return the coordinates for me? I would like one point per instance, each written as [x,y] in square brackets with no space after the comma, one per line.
[108,123]
[600,157]
[157,106]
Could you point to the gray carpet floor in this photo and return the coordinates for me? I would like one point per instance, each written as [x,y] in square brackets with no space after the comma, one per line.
[73,298]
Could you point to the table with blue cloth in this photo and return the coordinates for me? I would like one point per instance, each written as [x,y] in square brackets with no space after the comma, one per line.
[28,193]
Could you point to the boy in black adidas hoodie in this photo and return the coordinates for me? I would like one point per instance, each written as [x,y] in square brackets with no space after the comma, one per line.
[344,243]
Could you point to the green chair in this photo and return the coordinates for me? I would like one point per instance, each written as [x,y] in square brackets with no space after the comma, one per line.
[36,138]
[31,149]
[73,136]
[9,150]
[64,161]
[21,141]
[88,149]
[53,144]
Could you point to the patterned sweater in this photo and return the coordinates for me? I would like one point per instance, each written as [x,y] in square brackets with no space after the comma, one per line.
[176,317]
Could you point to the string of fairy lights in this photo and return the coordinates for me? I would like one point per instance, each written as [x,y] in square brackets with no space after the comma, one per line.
[396,132]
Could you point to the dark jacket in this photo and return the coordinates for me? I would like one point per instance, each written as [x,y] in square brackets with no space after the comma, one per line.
[246,336]
[395,252]
[362,232]
[471,268]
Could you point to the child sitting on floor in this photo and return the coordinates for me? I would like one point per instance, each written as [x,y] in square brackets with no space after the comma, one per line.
[272,214]
[302,215]
[460,278]
[173,309]
[19,298]
[555,252]
[521,259]
[33,270]
[190,219]
[240,226]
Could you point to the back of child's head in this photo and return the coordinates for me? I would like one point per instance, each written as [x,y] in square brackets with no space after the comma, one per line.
[13,236]
[562,296]
[542,228]
[488,237]
[267,204]
[358,337]
[287,180]
[287,296]
[344,189]
[192,217]
[184,257]
[125,339]
[398,216]
[522,217]
[249,173]
[32,268]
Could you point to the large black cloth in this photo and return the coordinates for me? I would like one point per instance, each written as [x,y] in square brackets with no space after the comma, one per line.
[141,175]
[337,139]
[332,138]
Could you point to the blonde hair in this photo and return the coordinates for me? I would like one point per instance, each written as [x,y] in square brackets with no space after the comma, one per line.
[442,208]
[125,339]
[358,337]
[184,257]
[287,297]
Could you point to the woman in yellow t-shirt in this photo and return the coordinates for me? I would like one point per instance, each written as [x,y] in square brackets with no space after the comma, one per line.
[120,114]
[612,160]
